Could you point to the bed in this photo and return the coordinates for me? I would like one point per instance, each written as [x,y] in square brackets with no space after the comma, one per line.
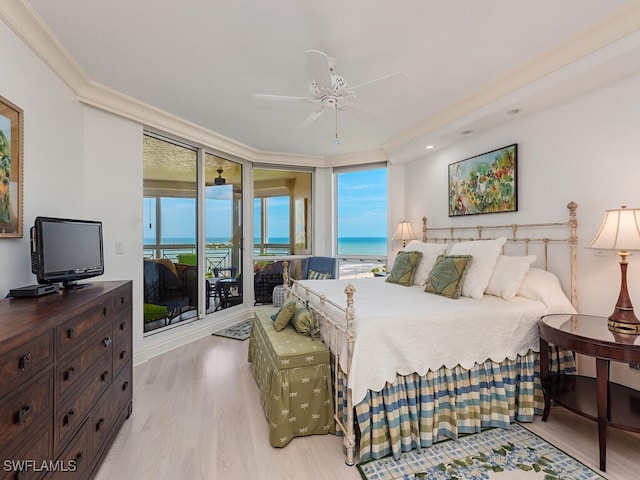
[414,368]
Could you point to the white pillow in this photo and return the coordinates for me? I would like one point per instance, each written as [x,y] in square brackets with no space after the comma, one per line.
[544,286]
[485,255]
[508,275]
[430,252]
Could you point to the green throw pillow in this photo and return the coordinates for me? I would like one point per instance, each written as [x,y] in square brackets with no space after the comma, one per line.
[404,268]
[283,316]
[448,274]
[304,322]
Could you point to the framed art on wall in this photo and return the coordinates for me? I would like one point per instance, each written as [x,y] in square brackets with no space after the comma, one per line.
[11,142]
[485,183]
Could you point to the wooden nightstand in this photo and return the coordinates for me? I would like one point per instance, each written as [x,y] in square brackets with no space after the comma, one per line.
[613,405]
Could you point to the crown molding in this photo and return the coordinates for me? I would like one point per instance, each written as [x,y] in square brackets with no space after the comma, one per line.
[358,158]
[611,29]
[25,23]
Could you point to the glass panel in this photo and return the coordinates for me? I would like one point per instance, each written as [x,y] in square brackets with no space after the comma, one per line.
[223,230]
[169,208]
[361,221]
[282,211]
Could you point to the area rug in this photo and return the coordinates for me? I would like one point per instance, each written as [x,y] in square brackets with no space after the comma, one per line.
[492,454]
[239,331]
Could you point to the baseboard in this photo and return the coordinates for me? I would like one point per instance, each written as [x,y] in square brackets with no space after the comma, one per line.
[163,342]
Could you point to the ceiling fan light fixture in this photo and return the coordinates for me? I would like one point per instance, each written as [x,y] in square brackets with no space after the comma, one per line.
[219,180]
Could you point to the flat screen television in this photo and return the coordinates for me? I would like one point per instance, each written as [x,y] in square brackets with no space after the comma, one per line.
[65,250]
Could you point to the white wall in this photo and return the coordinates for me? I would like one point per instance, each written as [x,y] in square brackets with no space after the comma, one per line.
[52,157]
[586,150]
[113,177]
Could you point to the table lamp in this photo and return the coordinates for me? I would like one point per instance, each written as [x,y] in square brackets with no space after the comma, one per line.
[404,233]
[620,231]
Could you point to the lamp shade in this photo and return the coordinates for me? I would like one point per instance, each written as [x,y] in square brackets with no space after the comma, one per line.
[404,232]
[620,230]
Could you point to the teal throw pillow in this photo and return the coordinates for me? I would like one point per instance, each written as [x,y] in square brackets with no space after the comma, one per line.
[448,274]
[404,268]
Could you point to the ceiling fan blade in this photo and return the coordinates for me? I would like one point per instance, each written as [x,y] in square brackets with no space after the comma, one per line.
[391,81]
[312,117]
[361,114]
[282,98]
[318,65]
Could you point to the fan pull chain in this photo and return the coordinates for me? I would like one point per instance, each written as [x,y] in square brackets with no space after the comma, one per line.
[336,142]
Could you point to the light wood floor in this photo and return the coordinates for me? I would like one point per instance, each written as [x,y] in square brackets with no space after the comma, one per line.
[197,415]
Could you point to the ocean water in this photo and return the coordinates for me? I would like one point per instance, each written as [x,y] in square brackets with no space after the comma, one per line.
[376,246]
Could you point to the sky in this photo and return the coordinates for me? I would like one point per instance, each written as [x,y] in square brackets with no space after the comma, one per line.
[362,210]
[362,203]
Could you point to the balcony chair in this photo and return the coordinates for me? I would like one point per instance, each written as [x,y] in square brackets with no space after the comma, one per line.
[164,292]
[320,268]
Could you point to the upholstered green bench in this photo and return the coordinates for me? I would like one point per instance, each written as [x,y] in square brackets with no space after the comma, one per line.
[293,372]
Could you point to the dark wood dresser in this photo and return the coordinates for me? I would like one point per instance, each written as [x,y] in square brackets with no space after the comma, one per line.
[65,380]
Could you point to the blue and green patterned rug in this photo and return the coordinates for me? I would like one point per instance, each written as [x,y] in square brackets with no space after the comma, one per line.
[239,331]
[492,454]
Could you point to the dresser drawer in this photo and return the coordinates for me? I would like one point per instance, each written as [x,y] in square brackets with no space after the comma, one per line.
[27,462]
[123,299]
[73,412]
[105,416]
[21,362]
[74,460]
[26,409]
[71,371]
[79,328]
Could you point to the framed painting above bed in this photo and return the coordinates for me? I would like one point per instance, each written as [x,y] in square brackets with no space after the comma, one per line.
[486,183]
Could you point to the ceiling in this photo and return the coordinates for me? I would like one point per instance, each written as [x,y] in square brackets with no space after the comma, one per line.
[467,62]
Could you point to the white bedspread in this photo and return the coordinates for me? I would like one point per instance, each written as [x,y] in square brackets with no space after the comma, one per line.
[404,330]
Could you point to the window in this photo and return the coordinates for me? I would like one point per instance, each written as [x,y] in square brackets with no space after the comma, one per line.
[361,219]
[281,213]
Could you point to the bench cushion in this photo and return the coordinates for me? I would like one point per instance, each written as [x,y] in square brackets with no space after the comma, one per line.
[288,348]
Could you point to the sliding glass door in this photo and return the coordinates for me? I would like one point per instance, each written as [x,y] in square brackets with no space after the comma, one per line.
[223,232]
[192,263]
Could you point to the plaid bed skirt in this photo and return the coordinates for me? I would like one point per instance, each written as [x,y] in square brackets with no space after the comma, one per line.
[418,410]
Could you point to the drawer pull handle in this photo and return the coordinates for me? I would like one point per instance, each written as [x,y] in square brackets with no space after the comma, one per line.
[24,413]
[122,354]
[68,374]
[122,300]
[25,361]
[99,424]
[125,385]
[71,333]
[66,420]
[78,457]
[104,375]
[105,311]
[106,341]
[122,325]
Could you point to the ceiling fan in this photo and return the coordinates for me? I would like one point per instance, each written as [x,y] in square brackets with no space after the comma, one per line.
[330,91]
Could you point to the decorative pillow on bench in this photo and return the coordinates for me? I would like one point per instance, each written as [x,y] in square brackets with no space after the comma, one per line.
[283,316]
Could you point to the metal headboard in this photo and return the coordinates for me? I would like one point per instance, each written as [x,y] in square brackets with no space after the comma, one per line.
[517,234]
